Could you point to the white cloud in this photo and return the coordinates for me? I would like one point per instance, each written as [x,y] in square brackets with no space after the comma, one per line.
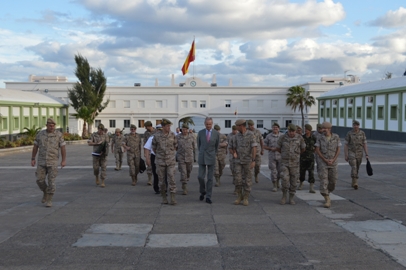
[392,19]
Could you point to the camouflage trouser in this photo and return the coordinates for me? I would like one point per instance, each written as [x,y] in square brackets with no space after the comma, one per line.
[149,170]
[355,160]
[185,168]
[41,173]
[232,167]
[118,154]
[133,162]
[307,165]
[167,171]
[100,162]
[257,167]
[243,176]
[275,166]
[328,178]
[289,177]
[219,167]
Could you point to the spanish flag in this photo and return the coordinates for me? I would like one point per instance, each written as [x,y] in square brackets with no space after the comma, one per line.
[190,58]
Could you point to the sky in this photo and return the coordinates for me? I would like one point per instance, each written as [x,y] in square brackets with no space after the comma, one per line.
[251,42]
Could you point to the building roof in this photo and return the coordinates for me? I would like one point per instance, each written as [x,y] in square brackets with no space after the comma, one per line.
[28,97]
[364,88]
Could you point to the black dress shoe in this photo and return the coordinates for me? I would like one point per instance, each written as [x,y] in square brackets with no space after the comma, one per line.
[208,200]
[202,196]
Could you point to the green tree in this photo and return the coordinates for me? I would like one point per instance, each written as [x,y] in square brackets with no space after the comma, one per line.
[388,75]
[187,120]
[31,132]
[88,93]
[299,99]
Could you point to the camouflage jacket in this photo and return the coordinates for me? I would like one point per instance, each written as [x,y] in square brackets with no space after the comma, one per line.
[355,141]
[148,134]
[328,148]
[308,154]
[186,146]
[243,144]
[258,139]
[164,146]
[48,146]
[290,149]
[222,151]
[134,142]
[97,138]
[271,141]
[117,142]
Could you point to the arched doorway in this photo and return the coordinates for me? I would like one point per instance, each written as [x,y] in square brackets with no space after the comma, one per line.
[197,119]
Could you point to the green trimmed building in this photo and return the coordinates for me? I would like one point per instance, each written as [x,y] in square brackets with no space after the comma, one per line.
[20,109]
[379,106]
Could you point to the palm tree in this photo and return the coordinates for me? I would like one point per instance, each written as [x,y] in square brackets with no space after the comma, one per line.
[299,99]
[187,120]
[31,132]
[85,114]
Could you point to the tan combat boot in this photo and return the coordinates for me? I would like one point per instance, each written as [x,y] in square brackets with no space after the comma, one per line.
[173,199]
[245,200]
[45,196]
[164,199]
[291,201]
[327,204]
[149,180]
[217,181]
[184,187]
[49,200]
[102,183]
[300,186]
[134,181]
[97,180]
[239,196]
[354,183]
[284,195]
[311,189]
[117,167]
[256,178]
[275,188]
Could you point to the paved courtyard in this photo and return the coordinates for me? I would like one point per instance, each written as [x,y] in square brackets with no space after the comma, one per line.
[126,227]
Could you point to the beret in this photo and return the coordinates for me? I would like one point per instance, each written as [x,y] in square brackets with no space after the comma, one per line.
[51,121]
[326,125]
[148,124]
[117,129]
[216,127]
[292,127]
[184,125]
[276,124]
[234,127]
[100,126]
[308,127]
[319,126]
[133,126]
[250,122]
[355,122]
[240,122]
[165,122]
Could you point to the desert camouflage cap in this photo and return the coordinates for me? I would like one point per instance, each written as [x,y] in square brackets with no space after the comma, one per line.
[234,127]
[355,122]
[117,130]
[292,127]
[51,121]
[276,125]
[308,127]
[148,124]
[240,122]
[133,126]
[319,126]
[326,125]
[165,122]
[298,127]
[250,122]
[100,126]
[216,127]
[184,125]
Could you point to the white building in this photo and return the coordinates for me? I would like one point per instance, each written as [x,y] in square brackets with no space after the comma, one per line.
[191,98]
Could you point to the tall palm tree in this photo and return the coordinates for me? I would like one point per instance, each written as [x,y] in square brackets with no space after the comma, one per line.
[187,120]
[299,99]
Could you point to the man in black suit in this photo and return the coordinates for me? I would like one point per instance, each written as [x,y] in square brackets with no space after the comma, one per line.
[207,142]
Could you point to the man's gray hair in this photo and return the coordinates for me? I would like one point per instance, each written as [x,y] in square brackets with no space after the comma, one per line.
[208,119]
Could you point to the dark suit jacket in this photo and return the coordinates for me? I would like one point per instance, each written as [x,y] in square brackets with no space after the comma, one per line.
[207,150]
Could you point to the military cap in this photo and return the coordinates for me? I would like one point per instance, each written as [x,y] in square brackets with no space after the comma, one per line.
[308,127]
[298,127]
[216,127]
[51,121]
[276,125]
[133,126]
[250,122]
[234,127]
[240,122]
[292,127]
[319,126]
[184,125]
[117,129]
[100,126]
[355,122]
[326,125]
[159,126]
[148,124]
[165,122]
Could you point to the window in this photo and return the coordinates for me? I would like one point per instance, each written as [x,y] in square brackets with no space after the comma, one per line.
[260,103]
[380,112]
[126,104]
[35,121]
[26,122]
[127,123]
[245,103]
[141,104]
[193,104]
[327,112]
[334,112]
[16,123]
[58,120]
[4,125]
[202,104]
[341,112]
[393,112]
[322,112]
[158,104]
[359,112]
[349,115]
[112,104]
[274,103]
[112,123]
[97,123]
[141,123]
[184,104]
[260,123]
[369,112]
[227,124]
[158,122]
[44,121]
[227,103]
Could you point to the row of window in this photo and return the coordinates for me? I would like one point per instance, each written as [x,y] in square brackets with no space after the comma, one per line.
[26,122]
[358,113]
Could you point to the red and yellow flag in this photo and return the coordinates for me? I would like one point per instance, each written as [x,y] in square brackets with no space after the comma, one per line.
[190,58]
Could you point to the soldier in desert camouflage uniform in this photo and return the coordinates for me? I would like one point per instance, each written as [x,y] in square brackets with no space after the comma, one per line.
[48,141]
[116,143]
[307,159]
[148,132]
[274,157]
[220,156]
[132,144]
[164,144]
[186,147]
[328,149]
[96,140]
[290,145]
[230,155]
[244,149]
[260,148]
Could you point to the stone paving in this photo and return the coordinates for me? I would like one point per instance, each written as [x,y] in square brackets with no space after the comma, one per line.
[125,227]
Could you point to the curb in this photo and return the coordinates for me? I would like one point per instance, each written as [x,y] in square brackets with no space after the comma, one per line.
[5,151]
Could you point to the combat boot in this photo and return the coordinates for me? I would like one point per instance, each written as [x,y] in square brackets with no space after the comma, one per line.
[134,180]
[184,187]
[235,191]
[246,196]
[45,196]
[164,199]
[284,195]
[239,196]
[327,204]
[102,183]
[173,199]
[217,181]
[117,167]
[49,200]
[149,180]
[291,201]
[274,189]
[300,186]
[278,184]
[256,178]
[354,183]
[97,180]
[311,189]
